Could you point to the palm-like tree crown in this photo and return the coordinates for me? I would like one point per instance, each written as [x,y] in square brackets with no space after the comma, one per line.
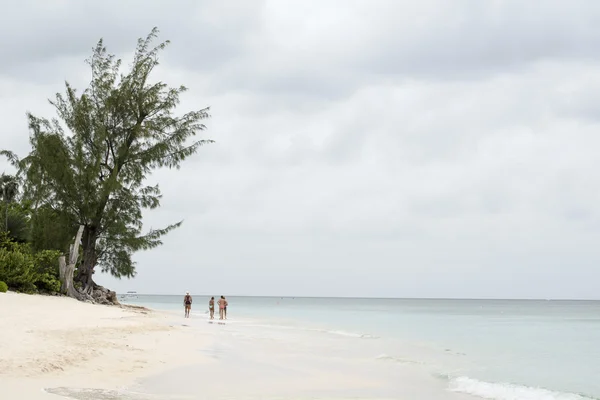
[9,188]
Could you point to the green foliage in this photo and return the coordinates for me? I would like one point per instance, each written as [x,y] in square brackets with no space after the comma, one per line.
[47,283]
[17,268]
[17,223]
[51,230]
[26,271]
[9,188]
[46,262]
[90,165]
[3,287]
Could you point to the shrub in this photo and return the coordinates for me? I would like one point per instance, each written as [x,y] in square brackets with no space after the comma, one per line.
[16,268]
[47,283]
[3,287]
[46,262]
[25,271]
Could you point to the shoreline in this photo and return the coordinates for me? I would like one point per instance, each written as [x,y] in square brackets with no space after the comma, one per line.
[54,347]
[57,341]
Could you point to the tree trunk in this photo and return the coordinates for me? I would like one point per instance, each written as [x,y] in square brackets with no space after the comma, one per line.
[86,269]
[66,270]
[90,290]
[66,278]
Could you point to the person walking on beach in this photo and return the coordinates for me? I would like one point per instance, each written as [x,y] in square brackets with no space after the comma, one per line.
[187,303]
[225,308]
[211,307]
[222,306]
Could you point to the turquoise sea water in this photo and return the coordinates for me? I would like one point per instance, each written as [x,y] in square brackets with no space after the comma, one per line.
[493,349]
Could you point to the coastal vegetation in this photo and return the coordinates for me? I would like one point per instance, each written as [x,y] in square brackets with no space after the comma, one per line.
[77,198]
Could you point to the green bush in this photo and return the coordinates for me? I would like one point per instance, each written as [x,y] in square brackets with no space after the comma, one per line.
[17,268]
[47,283]
[3,287]
[46,262]
[25,271]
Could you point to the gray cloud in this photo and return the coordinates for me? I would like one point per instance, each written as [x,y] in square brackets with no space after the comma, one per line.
[368,148]
[438,39]
[331,51]
[213,34]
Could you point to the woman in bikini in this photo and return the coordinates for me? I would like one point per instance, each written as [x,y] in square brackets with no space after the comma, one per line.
[222,305]
[187,303]
[211,307]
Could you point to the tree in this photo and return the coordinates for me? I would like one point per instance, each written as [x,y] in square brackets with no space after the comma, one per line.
[9,189]
[50,230]
[17,224]
[91,164]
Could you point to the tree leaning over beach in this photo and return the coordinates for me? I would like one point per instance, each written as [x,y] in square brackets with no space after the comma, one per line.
[91,163]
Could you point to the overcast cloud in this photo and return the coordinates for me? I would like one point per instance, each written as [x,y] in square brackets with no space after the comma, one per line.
[363,148]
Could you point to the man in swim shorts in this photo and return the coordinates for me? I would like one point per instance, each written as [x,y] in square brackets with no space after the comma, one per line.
[211,307]
[187,303]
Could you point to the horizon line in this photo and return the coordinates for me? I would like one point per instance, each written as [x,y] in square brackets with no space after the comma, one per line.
[377,298]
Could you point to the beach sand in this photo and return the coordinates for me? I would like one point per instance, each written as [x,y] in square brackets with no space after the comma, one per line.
[52,347]
[54,342]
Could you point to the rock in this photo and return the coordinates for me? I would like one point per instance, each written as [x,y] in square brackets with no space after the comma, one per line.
[112,298]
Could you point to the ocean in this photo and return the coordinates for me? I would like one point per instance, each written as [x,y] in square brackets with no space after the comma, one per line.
[491,349]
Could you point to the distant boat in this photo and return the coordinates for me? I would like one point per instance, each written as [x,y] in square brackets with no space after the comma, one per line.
[129,295]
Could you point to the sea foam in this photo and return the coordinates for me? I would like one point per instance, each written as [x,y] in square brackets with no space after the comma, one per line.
[506,391]
[385,357]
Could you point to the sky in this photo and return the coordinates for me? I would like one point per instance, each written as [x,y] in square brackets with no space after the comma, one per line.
[365,148]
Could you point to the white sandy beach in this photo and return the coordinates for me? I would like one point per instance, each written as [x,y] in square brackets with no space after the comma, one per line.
[48,342]
[54,346]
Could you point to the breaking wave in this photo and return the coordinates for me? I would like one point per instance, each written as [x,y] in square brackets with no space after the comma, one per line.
[507,391]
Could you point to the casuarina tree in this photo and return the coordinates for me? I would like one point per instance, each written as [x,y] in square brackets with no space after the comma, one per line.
[91,164]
